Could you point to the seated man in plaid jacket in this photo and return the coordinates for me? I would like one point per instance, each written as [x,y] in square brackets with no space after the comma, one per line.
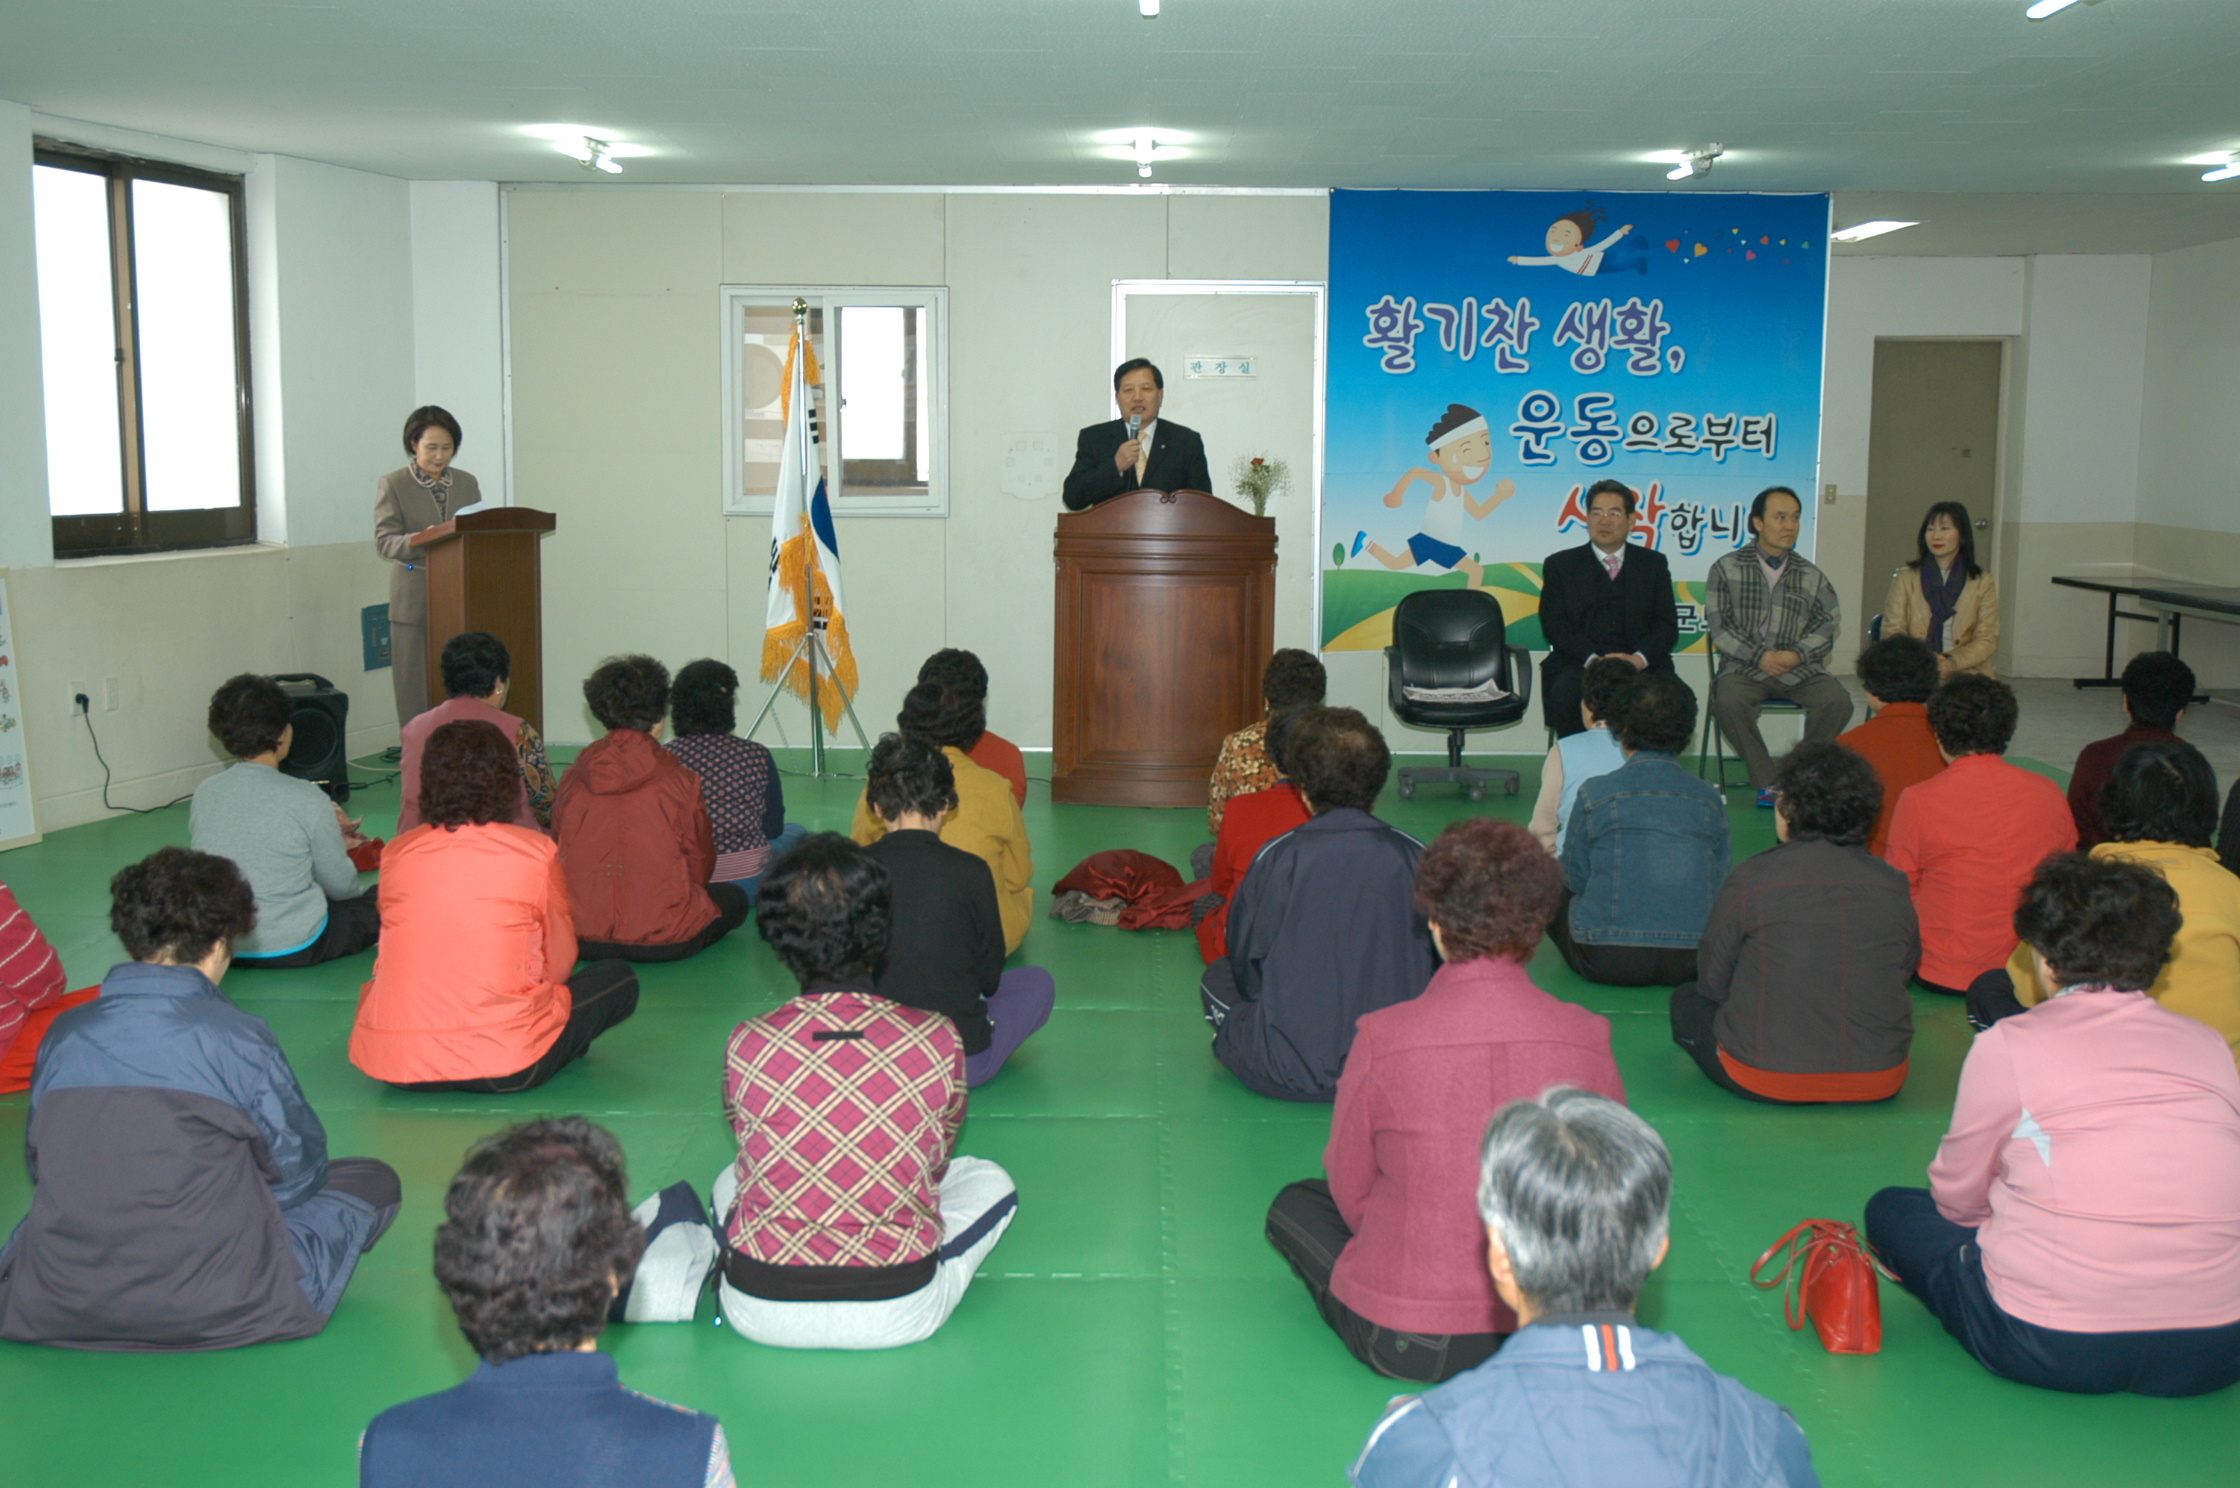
[846,1221]
[1773,619]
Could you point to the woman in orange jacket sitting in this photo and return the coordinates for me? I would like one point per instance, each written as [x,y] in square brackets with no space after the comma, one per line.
[472,989]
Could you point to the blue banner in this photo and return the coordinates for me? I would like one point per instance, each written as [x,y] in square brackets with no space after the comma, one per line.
[1495,353]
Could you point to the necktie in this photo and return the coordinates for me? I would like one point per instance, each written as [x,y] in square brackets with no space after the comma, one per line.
[1611,562]
[1143,456]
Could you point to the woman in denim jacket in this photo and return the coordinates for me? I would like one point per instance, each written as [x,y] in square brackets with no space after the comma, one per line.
[1645,852]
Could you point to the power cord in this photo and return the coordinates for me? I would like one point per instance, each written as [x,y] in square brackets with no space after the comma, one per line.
[85,711]
[360,764]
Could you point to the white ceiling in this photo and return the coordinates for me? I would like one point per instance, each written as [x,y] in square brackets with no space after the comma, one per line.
[1875,97]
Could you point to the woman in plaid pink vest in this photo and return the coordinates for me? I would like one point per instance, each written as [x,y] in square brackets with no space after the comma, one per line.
[846,1220]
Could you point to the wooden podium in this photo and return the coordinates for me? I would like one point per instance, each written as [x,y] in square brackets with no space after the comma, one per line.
[1165,622]
[483,575]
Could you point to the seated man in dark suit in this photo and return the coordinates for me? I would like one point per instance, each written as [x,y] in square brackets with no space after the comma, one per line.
[1110,459]
[1324,927]
[1607,597]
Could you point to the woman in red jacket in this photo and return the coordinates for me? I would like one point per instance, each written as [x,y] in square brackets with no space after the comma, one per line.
[1248,821]
[634,834]
[471,989]
[1391,1248]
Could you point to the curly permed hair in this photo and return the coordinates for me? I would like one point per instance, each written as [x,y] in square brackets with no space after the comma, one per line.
[1338,758]
[2099,922]
[943,716]
[826,908]
[178,904]
[1490,887]
[469,775]
[629,692]
[249,713]
[1973,714]
[704,699]
[538,1238]
[1828,790]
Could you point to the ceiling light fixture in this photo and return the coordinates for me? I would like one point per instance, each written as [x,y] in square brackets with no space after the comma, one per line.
[2040,10]
[1147,150]
[1695,162]
[598,155]
[1860,231]
[1147,8]
[2224,172]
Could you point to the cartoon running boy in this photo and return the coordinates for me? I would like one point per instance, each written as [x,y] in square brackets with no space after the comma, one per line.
[1568,247]
[1461,452]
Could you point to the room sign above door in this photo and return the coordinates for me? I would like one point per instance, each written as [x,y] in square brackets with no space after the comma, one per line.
[1204,364]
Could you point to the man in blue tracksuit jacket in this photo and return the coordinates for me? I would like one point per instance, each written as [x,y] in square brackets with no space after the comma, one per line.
[1324,927]
[1575,1194]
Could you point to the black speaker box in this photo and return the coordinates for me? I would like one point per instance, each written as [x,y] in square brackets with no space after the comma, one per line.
[321,750]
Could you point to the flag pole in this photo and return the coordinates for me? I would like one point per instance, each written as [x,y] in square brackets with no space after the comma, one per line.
[771,702]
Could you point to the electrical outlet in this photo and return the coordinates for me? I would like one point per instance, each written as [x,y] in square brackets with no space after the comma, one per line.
[111,694]
[78,691]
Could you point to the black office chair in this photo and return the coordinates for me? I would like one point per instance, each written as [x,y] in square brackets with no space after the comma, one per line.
[1455,638]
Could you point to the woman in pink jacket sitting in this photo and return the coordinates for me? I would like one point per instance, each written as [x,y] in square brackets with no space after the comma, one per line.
[2081,1228]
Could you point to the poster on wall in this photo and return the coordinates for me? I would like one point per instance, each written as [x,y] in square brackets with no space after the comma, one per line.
[1495,353]
[17,823]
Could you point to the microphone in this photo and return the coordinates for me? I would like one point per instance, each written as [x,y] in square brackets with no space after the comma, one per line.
[1135,424]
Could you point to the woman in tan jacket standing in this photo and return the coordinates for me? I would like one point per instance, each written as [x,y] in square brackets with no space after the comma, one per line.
[427,491]
[1943,598]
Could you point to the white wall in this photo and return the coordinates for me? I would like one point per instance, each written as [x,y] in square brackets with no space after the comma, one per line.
[458,320]
[2189,461]
[26,533]
[343,262]
[2076,392]
[1871,298]
[331,351]
[2075,411]
[618,422]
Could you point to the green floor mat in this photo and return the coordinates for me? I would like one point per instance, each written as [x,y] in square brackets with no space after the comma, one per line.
[1134,1327]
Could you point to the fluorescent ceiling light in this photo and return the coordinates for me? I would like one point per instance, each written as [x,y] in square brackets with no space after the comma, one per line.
[2224,172]
[2041,9]
[1696,162]
[590,145]
[1144,145]
[1859,231]
[1147,8]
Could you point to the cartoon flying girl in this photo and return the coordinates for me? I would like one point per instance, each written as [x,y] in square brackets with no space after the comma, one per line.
[1568,247]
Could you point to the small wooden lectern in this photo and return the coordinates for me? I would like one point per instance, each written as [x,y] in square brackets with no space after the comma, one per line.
[1165,621]
[483,575]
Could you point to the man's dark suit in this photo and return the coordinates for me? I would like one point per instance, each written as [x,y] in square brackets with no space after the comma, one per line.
[1178,463]
[1584,613]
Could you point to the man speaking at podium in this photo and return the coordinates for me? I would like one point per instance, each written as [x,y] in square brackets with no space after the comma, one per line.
[1137,449]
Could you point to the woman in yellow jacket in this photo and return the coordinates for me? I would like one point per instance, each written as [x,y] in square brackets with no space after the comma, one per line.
[987,821]
[2160,807]
[1943,598]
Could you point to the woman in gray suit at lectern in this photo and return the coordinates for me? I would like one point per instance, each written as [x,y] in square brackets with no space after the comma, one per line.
[427,491]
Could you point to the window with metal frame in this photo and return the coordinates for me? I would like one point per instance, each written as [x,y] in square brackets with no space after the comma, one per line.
[883,395]
[144,351]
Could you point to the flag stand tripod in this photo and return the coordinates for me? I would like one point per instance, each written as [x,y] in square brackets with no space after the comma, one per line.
[812,643]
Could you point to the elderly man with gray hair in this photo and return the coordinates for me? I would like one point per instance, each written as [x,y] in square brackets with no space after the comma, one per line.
[1575,1192]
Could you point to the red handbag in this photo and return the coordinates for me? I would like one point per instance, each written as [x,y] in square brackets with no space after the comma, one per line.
[1831,1280]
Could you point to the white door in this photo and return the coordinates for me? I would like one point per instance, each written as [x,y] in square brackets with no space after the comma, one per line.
[1270,414]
